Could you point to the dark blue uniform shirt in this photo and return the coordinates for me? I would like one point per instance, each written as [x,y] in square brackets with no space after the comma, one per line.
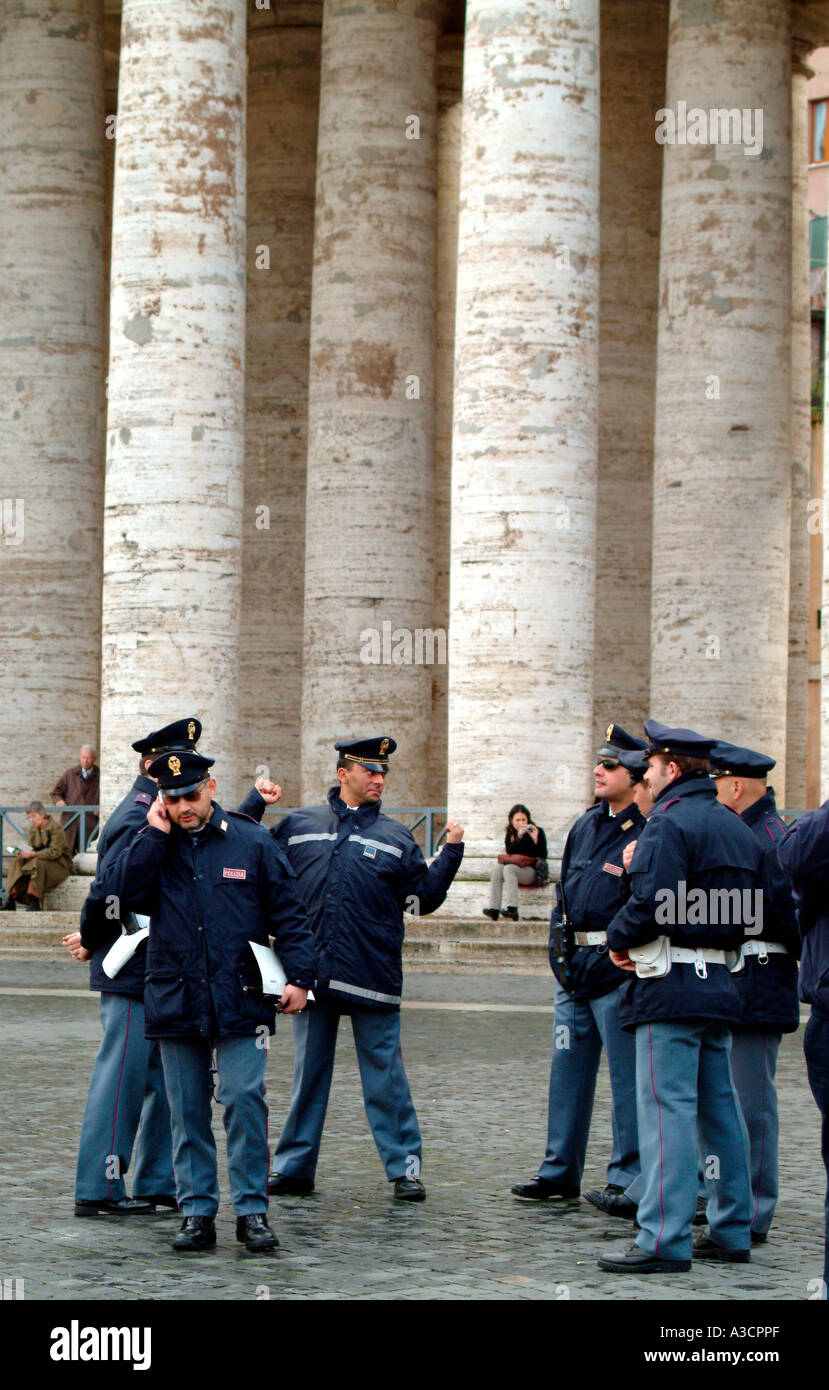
[595,886]
[208,897]
[690,842]
[768,989]
[358,871]
[99,927]
[804,854]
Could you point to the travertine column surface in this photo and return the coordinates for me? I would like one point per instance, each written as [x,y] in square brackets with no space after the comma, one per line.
[722,470]
[283,94]
[794,790]
[525,418]
[175,426]
[634,39]
[370,486]
[52,367]
[450,76]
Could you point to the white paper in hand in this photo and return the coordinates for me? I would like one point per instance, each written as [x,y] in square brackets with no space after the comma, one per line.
[274,978]
[125,948]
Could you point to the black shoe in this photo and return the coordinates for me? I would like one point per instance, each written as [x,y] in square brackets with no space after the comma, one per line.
[255,1233]
[613,1202]
[33,905]
[196,1233]
[8,904]
[541,1190]
[701,1212]
[510,912]
[492,912]
[124,1206]
[707,1249]
[281,1186]
[635,1260]
[162,1199]
[759,1237]
[409,1190]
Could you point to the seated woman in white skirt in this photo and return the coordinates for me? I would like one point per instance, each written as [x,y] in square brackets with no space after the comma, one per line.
[523,844]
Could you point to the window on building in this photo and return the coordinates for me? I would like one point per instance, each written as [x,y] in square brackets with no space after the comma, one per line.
[819,148]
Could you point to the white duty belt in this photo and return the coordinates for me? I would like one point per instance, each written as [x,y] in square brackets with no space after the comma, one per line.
[590,938]
[654,959]
[761,949]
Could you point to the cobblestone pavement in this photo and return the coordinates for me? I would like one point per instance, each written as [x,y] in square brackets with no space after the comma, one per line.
[479,1077]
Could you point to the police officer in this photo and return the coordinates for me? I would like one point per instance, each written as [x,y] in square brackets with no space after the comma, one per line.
[357,870]
[767,978]
[587,1000]
[804,854]
[689,858]
[127,1085]
[212,882]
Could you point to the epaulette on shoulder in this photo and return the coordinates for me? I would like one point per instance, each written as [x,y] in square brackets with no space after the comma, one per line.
[143,799]
[243,815]
[774,823]
[672,802]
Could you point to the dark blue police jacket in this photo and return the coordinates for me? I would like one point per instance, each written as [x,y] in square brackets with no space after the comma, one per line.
[99,929]
[206,902]
[595,886]
[690,839]
[768,990]
[357,872]
[804,854]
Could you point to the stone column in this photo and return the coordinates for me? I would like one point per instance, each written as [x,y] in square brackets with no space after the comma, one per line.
[283,98]
[722,468]
[175,427]
[794,790]
[525,418]
[368,563]
[52,359]
[450,75]
[634,41]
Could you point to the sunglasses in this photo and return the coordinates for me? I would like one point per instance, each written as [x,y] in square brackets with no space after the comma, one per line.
[172,797]
[609,764]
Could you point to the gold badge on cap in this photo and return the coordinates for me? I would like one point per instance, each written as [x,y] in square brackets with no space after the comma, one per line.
[383,746]
[174,765]
[609,733]
[191,730]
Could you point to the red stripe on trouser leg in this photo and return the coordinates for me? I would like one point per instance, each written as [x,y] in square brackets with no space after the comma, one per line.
[762,1139]
[117,1094]
[661,1154]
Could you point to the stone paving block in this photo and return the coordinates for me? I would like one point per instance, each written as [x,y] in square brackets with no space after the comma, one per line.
[479,1081]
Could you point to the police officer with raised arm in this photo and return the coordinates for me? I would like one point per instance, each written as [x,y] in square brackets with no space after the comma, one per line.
[694,885]
[358,871]
[587,1000]
[213,883]
[767,977]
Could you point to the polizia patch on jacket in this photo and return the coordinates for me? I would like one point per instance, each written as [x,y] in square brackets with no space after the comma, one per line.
[616,869]
[234,873]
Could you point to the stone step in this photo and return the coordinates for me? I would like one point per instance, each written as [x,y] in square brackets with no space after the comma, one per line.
[467,898]
[437,928]
[490,955]
[479,869]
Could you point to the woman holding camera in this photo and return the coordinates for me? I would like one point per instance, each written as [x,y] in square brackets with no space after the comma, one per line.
[524,844]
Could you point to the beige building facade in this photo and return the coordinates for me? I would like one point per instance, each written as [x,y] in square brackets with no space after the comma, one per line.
[412,367]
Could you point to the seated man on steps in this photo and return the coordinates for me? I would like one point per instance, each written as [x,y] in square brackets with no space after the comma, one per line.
[43,866]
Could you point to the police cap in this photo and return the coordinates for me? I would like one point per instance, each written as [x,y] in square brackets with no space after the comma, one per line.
[372,753]
[177,773]
[683,743]
[727,760]
[635,761]
[617,740]
[173,738]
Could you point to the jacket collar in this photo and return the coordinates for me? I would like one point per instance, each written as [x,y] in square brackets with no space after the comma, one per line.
[754,813]
[689,784]
[361,814]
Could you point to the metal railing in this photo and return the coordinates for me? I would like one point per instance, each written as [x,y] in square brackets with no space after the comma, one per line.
[424,819]
[78,813]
